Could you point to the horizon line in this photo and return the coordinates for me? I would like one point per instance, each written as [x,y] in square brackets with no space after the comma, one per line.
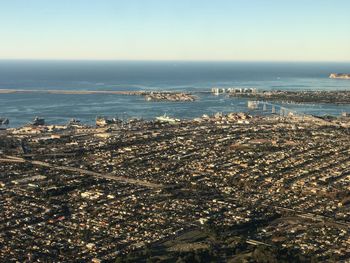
[169,60]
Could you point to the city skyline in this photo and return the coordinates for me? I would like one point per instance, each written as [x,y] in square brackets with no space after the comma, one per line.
[185,30]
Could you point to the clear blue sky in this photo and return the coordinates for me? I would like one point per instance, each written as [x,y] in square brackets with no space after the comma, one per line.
[283,30]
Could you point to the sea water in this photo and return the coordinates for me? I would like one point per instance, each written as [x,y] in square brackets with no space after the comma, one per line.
[168,75]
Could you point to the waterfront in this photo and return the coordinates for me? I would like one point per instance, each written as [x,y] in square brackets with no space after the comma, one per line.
[136,76]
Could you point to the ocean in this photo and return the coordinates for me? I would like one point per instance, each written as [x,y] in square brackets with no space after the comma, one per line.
[127,75]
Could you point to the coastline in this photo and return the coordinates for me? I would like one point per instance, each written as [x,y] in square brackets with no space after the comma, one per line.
[71,92]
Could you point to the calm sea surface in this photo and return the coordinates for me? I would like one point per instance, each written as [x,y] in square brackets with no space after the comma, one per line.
[188,76]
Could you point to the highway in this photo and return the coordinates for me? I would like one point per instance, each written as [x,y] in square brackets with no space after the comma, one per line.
[13,159]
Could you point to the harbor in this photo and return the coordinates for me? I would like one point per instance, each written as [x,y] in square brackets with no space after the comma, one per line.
[21,108]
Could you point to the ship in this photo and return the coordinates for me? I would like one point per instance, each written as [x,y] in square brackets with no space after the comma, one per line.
[167,119]
[253,105]
[4,121]
[74,122]
[38,121]
[101,121]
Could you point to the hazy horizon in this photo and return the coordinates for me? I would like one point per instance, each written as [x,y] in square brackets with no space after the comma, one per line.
[155,30]
[171,60]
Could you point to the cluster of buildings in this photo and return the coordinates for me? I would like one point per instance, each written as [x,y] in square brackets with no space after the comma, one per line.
[218,91]
[96,193]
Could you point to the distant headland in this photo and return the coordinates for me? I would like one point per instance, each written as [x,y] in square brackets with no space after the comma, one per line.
[339,76]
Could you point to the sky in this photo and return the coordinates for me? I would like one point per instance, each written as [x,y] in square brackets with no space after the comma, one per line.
[209,30]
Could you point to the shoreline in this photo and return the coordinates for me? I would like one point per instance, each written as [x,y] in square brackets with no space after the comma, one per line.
[299,97]
[148,95]
[72,92]
[84,92]
[237,118]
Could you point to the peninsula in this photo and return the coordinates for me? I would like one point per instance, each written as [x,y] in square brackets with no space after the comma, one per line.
[339,76]
[148,95]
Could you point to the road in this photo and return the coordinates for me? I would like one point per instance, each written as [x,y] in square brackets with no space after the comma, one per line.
[13,159]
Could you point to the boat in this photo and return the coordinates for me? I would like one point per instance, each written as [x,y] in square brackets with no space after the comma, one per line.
[167,119]
[101,121]
[38,121]
[74,122]
[4,121]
